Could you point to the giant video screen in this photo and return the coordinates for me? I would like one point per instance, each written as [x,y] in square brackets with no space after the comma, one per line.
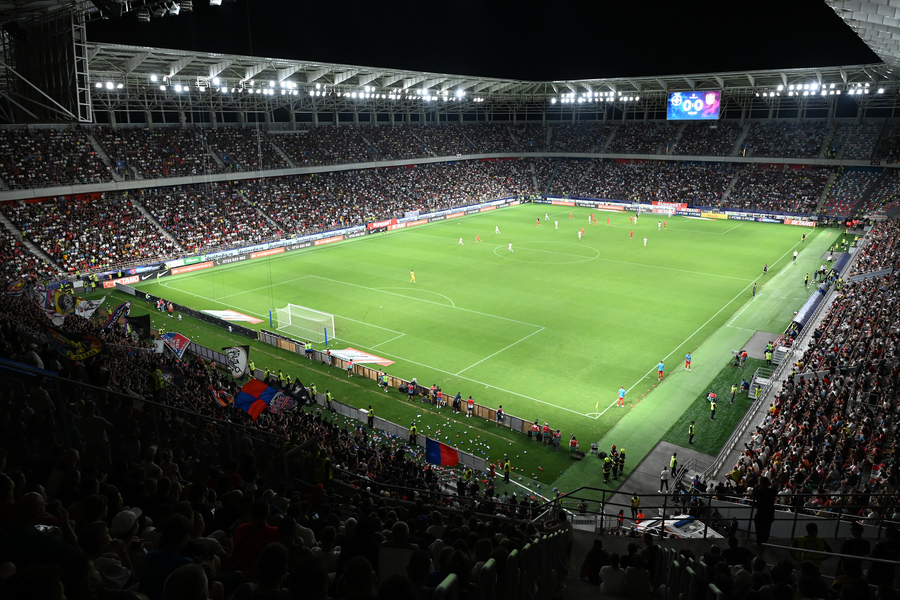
[693,106]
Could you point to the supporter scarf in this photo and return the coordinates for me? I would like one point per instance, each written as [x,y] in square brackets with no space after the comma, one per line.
[122,310]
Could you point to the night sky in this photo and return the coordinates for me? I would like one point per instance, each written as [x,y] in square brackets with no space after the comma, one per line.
[560,40]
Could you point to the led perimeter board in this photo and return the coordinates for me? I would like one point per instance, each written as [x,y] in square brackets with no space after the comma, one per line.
[693,106]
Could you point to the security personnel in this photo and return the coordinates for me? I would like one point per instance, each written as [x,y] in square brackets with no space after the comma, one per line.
[712,410]
[811,541]
[370,416]
[308,349]
[622,461]
[614,457]
[635,504]
[469,474]
[768,357]
[412,433]
[313,392]
[734,389]
[506,469]
[266,375]
[384,382]
[607,467]
[673,463]
[280,378]
[252,368]
[147,297]
[288,380]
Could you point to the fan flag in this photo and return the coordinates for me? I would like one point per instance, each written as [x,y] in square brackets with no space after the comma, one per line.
[440,454]
[256,396]
[176,342]
[122,310]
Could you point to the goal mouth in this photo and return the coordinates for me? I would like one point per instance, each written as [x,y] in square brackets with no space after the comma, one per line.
[305,323]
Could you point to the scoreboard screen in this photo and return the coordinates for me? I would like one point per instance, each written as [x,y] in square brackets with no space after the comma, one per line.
[693,106]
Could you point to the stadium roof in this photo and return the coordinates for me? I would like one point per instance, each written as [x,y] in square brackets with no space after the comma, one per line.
[876,22]
[136,68]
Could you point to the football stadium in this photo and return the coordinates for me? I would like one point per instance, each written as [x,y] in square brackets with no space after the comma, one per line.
[280,325]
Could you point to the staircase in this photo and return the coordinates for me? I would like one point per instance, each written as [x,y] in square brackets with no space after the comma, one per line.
[425,147]
[761,380]
[147,215]
[534,181]
[740,141]
[372,147]
[3,185]
[258,211]
[214,156]
[728,189]
[780,353]
[32,247]
[677,139]
[824,197]
[829,137]
[282,153]
[602,148]
[104,156]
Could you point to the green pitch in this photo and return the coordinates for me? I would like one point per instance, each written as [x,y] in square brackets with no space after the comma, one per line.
[550,329]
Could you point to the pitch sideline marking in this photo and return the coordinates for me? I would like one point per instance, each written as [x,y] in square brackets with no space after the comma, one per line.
[787,253]
[501,350]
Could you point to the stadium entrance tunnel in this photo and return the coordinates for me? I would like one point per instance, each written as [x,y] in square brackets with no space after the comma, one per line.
[548,252]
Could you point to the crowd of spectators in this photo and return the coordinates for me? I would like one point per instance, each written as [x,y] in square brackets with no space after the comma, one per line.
[787,140]
[396,142]
[245,149]
[778,189]
[156,152]
[531,137]
[705,139]
[32,158]
[885,197]
[207,216]
[19,262]
[488,137]
[645,181]
[324,145]
[642,138]
[579,137]
[848,189]
[308,203]
[446,140]
[853,140]
[90,231]
[887,150]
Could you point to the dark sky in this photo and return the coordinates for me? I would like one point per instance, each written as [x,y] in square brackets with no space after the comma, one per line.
[559,40]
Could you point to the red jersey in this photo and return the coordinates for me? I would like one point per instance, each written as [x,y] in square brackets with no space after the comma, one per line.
[535,428]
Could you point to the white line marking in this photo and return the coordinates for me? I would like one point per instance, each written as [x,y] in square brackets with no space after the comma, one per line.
[735,227]
[413,297]
[499,351]
[390,340]
[428,301]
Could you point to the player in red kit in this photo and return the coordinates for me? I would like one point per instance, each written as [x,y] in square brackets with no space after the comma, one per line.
[571,216]
[631,235]
[665,224]
[538,222]
[607,221]
[477,238]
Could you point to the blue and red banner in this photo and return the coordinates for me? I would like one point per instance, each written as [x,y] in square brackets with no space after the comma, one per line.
[440,454]
[256,396]
[177,343]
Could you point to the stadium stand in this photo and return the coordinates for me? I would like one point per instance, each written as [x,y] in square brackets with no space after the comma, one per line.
[778,189]
[327,145]
[703,139]
[579,137]
[885,197]
[245,149]
[788,140]
[643,138]
[531,137]
[489,138]
[157,152]
[887,149]
[89,232]
[848,189]
[49,157]
[446,140]
[853,141]
[208,216]
[394,142]
[19,262]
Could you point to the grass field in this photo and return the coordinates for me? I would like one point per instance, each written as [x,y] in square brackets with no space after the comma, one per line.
[550,330]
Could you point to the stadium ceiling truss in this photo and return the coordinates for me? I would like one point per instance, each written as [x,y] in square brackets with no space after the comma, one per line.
[876,22]
[126,78]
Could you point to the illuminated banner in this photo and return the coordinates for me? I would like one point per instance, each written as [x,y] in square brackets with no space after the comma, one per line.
[669,204]
[189,268]
[563,202]
[693,106]
[801,222]
[455,215]
[330,240]
[267,252]
[709,215]
[122,280]
[487,208]
[409,224]
[377,224]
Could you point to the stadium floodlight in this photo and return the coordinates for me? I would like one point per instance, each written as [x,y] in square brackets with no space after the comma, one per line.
[306,323]
[814,86]
[201,88]
[318,85]
[780,88]
[178,87]
[98,85]
[791,87]
[831,86]
[460,93]
[120,86]
[880,90]
[162,88]
[109,85]
[153,78]
[215,81]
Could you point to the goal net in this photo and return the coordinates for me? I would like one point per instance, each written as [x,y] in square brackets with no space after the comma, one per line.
[305,323]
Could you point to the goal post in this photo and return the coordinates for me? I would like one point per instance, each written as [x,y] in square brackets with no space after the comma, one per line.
[305,323]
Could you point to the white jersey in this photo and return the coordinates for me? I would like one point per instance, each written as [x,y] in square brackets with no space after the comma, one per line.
[556,224]
[645,241]
[461,242]
[496,229]
[510,247]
